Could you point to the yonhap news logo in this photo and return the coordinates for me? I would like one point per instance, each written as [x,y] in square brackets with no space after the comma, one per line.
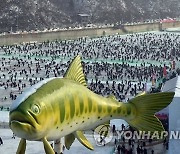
[157,135]
[103,135]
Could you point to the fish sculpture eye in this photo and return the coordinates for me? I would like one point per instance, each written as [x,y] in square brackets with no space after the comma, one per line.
[35,109]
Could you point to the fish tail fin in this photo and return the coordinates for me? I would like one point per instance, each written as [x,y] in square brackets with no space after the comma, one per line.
[146,106]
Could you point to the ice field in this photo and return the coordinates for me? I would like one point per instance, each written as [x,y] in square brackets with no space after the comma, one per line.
[10,145]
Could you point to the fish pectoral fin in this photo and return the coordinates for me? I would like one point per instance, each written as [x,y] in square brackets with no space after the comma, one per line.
[68,140]
[82,139]
[22,147]
[47,147]
[75,71]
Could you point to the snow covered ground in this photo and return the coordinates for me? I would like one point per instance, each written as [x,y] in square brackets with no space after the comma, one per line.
[173,29]
[4,116]
[10,146]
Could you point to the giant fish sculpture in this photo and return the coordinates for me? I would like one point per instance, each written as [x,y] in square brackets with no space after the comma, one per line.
[64,107]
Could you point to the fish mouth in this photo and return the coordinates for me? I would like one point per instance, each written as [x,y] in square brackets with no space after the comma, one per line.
[21,119]
[23,129]
[15,122]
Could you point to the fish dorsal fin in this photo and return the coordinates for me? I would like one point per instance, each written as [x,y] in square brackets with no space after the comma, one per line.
[82,139]
[112,97]
[68,140]
[75,71]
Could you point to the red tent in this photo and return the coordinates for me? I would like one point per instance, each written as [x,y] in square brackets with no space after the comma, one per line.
[167,20]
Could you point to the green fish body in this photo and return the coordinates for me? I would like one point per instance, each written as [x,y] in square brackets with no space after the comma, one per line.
[64,107]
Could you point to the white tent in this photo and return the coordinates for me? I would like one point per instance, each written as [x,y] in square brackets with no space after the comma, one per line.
[173,85]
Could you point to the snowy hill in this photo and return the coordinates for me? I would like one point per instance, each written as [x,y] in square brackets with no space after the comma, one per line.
[40,14]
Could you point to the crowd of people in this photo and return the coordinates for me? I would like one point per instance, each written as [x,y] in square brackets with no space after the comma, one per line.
[119,64]
[136,145]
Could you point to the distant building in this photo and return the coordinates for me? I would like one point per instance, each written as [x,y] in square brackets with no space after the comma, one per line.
[83,18]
